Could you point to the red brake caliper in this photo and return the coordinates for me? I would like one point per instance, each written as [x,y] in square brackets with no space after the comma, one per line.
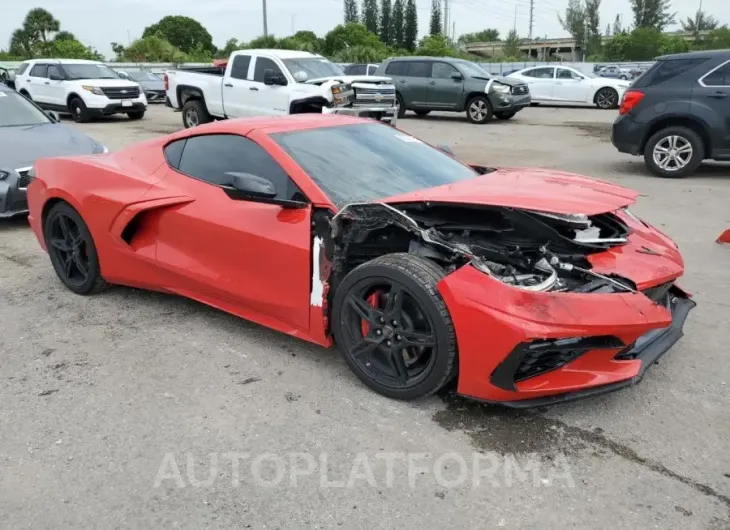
[373,300]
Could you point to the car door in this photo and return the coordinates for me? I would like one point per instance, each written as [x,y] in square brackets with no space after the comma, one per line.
[713,91]
[38,83]
[268,100]
[56,91]
[570,86]
[250,258]
[237,88]
[541,82]
[446,87]
[414,84]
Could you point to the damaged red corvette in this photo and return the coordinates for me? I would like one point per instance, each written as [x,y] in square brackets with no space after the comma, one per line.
[527,286]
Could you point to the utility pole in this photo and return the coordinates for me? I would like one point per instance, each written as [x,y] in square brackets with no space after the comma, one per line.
[266,25]
[446,18]
[532,19]
[697,22]
[515,26]
[453,30]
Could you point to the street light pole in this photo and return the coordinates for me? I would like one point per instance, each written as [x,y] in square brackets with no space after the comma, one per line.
[266,29]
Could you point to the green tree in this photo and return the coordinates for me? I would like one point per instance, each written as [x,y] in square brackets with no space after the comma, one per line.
[410,23]
[593,27]
[700,22]
[350,35]
[185,33]
[511,47]
[350,9]
[398,21]
[617,27]
[231,46]
[21,44]
[717,39]
[655,14]
[370,15]
[574,22]
[153,49]
[64,35]
[40,25]
[385,23]
[118,50]
[673,44]
[486,35]
[264,41]
[71,49]
[608,31]
[435,27]
[435,46]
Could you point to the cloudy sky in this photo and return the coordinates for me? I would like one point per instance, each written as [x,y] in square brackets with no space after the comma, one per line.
[99,22]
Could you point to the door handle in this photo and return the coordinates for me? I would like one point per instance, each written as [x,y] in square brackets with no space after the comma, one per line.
[47,83]
[718,95]
[253,88]
[228,85]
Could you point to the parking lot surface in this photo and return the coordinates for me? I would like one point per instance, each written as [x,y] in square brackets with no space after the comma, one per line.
[130,409]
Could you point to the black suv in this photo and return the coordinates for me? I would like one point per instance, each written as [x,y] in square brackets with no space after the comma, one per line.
[677,114]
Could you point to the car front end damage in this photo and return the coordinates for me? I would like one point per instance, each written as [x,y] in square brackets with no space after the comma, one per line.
[546,307]
[13,186]
[364,98]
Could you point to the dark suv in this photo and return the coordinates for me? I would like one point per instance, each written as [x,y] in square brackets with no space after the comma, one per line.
[677,114]
[424,84]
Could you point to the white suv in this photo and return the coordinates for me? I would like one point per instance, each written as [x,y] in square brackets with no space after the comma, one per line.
[84,89]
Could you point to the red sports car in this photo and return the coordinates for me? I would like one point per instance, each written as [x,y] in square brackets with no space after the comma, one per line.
[529,286]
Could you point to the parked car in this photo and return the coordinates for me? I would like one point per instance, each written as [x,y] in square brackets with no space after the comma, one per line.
[361,69]
[343,231]
[153,85]
[7,76]
[83,89]
[562,84]
[274,82]
[424,84]
[27,133]
[616,72]
[678,113]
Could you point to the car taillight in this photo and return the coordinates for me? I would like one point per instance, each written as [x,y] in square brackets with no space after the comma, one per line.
[167,83]
[630,100]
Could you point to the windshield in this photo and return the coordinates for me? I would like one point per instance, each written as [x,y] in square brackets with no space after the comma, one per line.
[314,67]
[471,69]
[89,71]
[366,162]
[143,76]
[15,111]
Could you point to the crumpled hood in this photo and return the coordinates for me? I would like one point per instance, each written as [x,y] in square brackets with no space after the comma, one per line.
[530,189]
[22,146]
[351,79]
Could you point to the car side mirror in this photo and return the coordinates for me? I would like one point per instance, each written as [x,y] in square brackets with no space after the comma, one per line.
[300,76]
[54,77]
[249,186]
[123,75]
[270,78]
[457,76]
[53,115]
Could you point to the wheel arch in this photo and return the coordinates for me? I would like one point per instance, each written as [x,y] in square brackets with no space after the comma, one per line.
[473,94]
[187,93]
[679,121]
[72,95]
[310,105]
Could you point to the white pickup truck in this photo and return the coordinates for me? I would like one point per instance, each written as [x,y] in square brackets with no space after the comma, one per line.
[273,82]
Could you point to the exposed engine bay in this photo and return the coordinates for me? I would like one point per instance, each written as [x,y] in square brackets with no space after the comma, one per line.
[530,250]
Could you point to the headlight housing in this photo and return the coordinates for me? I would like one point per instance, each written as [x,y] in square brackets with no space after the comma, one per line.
[3,175]
[501,88]
[93,89]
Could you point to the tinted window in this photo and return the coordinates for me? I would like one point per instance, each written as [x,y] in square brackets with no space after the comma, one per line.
[239,70]
[22,68]
[443,71]
[89,71]
[355,69]
[418,69]
[720,77]
[263,64]
[564,73]
[540,73]
[396,68]
[16,110]
[39,70]
[53,70]
[663,71]
[174,151]
[372,69]
[214,157]
[385,160]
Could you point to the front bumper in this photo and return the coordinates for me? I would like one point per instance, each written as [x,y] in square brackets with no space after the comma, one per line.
[117,108]
[13,196]
[509,102]
[627,135]
[387,115]
[155,96]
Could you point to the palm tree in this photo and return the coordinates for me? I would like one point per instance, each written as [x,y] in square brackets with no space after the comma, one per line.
[700,22]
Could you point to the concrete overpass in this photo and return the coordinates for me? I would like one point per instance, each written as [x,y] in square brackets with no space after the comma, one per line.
[543,49]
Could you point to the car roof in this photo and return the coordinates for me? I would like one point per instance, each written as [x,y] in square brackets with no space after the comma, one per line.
[424,58]
[63,61]
[281,54]
[704,54]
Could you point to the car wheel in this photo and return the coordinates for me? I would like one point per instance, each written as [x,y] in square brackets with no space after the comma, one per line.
[393,328]
[479,110]
[606,98]
[72,251]
[674,152]
[138,115]
[78,110]
[194,114]
[505,115]
[401,106]
[623,78]
[422,112]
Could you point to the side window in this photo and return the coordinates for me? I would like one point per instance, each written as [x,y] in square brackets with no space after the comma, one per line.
[418,69]
[396,68]
[443,71]
[662,71]
[540,73]
[215,157]
[718,77]
[239,69]
[22,68]
[39,70]
[564,73]
[355,69]
[372,68]
[174,151]
[53,70]
[263,64]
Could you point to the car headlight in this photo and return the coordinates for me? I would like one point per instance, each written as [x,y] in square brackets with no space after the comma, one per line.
[501,88]
[93,89]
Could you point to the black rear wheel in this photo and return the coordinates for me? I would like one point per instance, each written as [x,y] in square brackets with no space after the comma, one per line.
[393,327]
[195,113]
[607,98]
[72,251]
[401,106]
[78,110]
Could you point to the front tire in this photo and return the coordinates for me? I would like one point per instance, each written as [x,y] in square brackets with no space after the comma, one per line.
[607,98]
[137,115]
[72,250]
[401,106]
[479,110]
[674,152]
[78,110]
[194,113]
[393,328]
